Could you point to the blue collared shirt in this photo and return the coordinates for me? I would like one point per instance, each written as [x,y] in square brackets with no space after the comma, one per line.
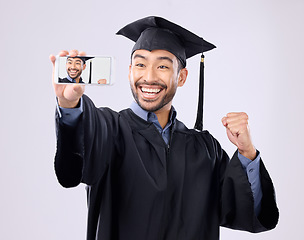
[71,79]
[151,117]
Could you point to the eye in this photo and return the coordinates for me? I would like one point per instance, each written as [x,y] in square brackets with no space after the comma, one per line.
[163,67]
[139,65]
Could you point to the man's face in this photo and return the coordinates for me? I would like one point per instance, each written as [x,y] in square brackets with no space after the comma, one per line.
[74,67]
[154,78]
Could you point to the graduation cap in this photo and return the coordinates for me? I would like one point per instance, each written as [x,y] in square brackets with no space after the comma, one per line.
[83,58]
[153,33]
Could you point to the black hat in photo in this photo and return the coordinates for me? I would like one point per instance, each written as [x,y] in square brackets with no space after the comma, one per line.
[83,58]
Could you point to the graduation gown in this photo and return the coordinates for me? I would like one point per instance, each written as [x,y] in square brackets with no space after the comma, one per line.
[141,189]
[66,80]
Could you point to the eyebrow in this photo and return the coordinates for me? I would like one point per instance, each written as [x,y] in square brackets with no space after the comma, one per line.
[139,56]
[159,58]
[165,58]
[77,60]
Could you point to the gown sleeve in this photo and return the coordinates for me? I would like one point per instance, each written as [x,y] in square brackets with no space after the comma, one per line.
[237,202]
[85,150]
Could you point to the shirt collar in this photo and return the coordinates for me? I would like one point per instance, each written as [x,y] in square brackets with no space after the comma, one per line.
[73,79]
[70,79]
[145,115]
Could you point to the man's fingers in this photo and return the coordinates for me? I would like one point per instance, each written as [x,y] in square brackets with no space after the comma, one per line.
[237,128]
[102,81]
[82,53]
[74,53]
[224,121]
[52,58]
[79,89]
[236,123]
[234,116]
[63,53]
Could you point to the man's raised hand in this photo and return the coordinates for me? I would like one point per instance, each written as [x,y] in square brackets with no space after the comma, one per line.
[238,133]
[68,95]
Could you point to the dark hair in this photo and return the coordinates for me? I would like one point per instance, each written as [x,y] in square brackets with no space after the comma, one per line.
[180,65]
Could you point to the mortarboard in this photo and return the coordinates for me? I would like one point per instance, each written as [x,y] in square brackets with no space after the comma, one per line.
[153,33]
[83,58]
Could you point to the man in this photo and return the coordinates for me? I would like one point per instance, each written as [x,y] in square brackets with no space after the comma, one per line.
[148,176]
[74,68]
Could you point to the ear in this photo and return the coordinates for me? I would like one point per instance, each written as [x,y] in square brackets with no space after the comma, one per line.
[84,67]
[129,75]
[183,73]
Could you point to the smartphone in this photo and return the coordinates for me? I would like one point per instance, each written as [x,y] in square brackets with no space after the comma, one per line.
[95,70]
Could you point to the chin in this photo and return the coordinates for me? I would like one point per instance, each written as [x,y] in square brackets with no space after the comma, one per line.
[150,106]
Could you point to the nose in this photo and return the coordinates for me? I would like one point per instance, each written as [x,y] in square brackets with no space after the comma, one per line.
[150,74]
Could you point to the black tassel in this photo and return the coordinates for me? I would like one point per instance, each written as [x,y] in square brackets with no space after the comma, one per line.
[90,74]
[200,107]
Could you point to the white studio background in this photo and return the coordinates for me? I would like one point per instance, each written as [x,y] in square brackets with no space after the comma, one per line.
[257,67]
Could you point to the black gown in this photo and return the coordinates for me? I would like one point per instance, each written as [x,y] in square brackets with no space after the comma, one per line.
[66,80]
[141,189]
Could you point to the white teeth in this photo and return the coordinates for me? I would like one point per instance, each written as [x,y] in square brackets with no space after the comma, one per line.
[150,90]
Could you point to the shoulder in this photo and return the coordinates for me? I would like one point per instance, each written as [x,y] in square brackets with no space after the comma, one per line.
[181,128]
[101,116]
[198,139]
[63,80]
[89,108]
[134,121]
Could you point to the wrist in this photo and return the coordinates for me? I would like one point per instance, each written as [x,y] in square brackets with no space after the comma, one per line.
[67,104]
[250,153]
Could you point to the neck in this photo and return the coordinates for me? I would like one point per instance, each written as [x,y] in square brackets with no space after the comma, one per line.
[163,115]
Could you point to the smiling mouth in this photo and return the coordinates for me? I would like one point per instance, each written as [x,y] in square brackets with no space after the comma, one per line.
[73,71]
[150,91]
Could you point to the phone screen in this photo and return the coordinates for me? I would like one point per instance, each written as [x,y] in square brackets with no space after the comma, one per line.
[96,70]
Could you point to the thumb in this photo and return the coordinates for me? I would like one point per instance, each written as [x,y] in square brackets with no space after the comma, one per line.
[53,59]
[224,121]
[78,89]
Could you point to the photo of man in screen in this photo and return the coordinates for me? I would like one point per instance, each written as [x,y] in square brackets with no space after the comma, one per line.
[74,68]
